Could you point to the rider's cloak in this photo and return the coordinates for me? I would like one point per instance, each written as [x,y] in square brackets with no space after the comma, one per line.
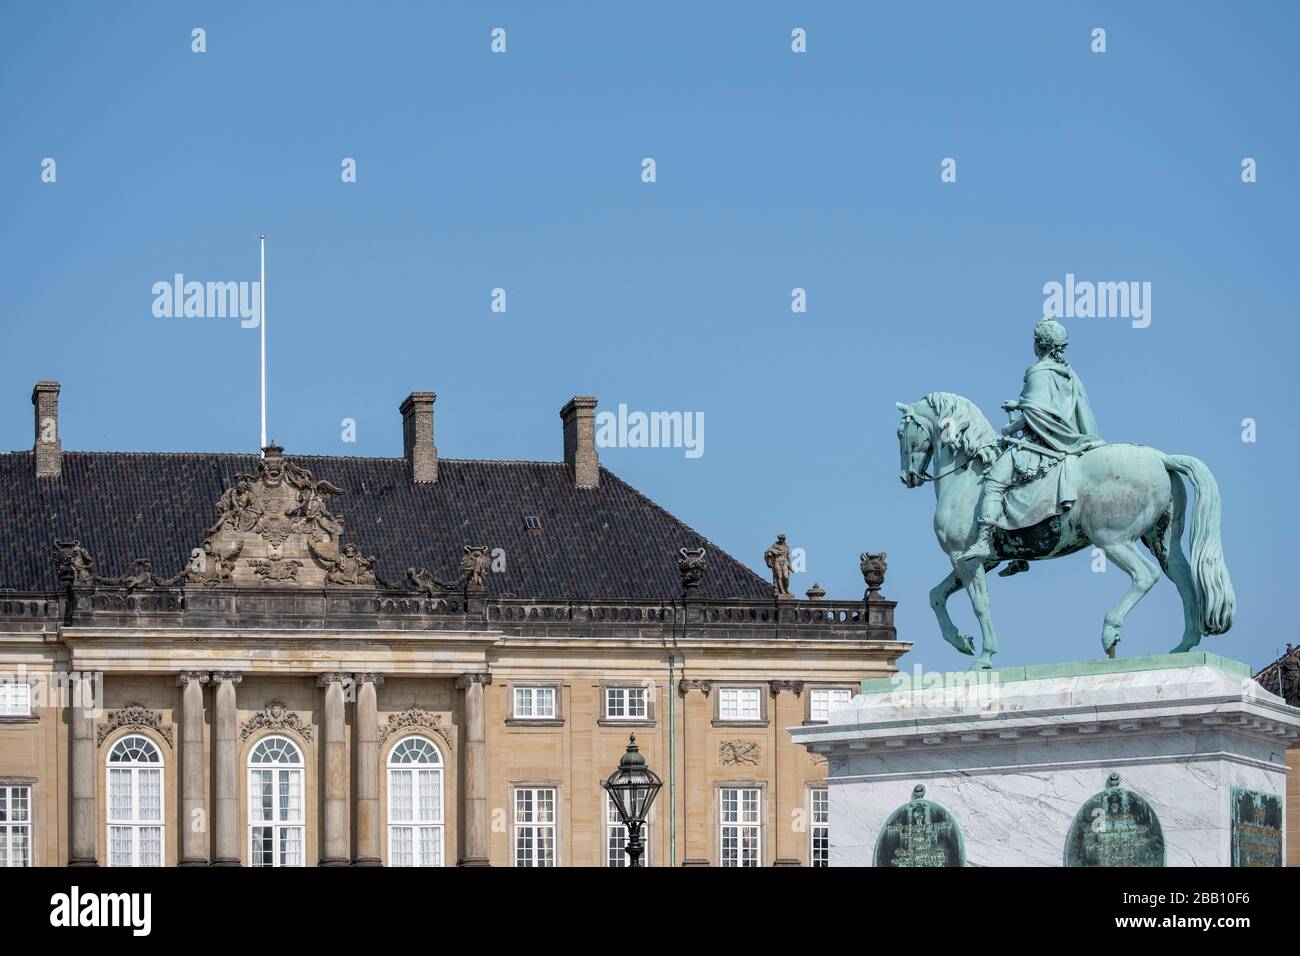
[1056,407]
[1059,426]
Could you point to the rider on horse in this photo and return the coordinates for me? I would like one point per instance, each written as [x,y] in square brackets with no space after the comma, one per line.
[1055,421]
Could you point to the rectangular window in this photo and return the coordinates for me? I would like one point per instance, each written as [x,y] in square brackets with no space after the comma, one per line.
[534,703]
[626,703]
[741,826]
[535,826]
[739,703]
[15,826]
[616,838]
[15,699]
[824,700]
[820,831]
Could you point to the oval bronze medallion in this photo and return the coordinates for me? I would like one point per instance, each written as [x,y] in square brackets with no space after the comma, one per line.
[1116,827]
[920,833]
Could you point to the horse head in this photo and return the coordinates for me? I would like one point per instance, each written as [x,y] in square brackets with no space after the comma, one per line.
[940,425]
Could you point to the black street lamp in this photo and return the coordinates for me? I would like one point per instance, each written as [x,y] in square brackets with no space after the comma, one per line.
[633,787]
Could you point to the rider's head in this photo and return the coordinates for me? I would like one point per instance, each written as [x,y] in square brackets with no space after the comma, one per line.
[1050,338]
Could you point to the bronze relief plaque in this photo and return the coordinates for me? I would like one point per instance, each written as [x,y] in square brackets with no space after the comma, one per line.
[920,833]
[1116,827]
[1256,828]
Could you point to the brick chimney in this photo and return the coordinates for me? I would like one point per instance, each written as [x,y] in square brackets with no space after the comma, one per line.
[48,447]
[579,417]
[417,436]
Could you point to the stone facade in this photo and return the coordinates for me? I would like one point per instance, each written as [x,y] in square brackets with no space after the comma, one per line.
[282,628]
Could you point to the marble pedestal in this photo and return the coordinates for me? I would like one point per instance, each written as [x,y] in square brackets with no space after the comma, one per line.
[1013,755]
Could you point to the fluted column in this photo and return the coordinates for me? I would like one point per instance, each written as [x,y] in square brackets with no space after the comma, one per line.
[225,770]
[194,813]
[82,850]
[475,851]
[334,835]
[365,731]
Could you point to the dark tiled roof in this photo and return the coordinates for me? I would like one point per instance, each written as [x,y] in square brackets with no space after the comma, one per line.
[1268,677]
[605,543]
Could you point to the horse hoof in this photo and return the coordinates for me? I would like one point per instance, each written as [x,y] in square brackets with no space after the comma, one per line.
[982,666]
[964,643]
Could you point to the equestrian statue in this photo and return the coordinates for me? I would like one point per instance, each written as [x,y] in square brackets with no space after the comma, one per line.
[1048,485]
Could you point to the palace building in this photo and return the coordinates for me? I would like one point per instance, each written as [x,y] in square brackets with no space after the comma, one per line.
[284,660]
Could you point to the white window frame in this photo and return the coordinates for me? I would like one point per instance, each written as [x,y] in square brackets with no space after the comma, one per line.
[417,824]
[15,698]
[11,827]
[739,696]
[615,830]
[533,694]
[829,694]
[280,785]
[134,771]
[628,693]
[533,855]
[819,824]
[738,827]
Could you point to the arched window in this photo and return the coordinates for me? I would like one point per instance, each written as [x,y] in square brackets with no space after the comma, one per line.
[415,803]
[135,803]
[275,827]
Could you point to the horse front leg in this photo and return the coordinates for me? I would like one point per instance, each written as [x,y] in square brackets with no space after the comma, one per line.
[973,578]
[939,595]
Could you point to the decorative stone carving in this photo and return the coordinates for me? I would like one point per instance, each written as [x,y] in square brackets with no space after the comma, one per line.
[686,685]
[276,568]
[691,566]
[422,580]
[351,568]
[816,592]
[793,686]
[777,557]
[464,680]
[275,716]
[738,753]
[413,719]
[474,566]
[276,528]
[73,564]
[141,576]
[133,716]
[873,567]
[209,568]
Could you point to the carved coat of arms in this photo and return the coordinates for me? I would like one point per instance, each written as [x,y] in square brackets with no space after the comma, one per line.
[276,528]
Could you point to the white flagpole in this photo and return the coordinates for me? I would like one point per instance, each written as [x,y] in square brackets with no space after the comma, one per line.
[261,311]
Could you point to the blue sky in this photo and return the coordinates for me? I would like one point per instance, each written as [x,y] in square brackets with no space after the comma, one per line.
[775,170]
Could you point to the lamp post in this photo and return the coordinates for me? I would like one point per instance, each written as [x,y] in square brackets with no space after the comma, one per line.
[633,787]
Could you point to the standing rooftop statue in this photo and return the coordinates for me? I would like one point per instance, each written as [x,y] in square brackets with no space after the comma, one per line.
[1046,486]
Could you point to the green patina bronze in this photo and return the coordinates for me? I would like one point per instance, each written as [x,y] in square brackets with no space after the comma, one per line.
[1256,828]
[920,833]
[1116,827]
[1047,485]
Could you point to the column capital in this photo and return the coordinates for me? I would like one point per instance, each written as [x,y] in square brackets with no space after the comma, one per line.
[331,677]
[793,686]
[466,680]
[225,677]
[185,677]
[684,686]
[368,677]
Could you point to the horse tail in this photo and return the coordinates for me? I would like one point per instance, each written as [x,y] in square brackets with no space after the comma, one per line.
[1218,602]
